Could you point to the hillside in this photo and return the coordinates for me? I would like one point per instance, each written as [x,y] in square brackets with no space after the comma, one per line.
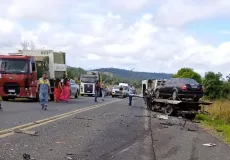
[134,75]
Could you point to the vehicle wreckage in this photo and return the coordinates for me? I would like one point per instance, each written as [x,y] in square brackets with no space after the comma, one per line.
[184,108]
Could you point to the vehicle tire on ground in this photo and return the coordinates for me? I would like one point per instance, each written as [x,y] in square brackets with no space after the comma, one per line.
[51,97]
[37,97]
[190,116]
[157,93]
[174,95]
[76,95]
[168,110]
[5,98]
[196,99]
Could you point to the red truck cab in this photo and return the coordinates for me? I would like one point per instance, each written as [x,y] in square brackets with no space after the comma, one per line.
[18,77]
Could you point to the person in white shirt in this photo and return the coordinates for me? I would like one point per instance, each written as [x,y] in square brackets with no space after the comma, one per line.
[131,92]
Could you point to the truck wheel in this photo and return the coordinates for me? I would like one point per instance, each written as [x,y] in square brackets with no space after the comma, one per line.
[168,110]
[157,93]
[5,98]
[76,95]
[174,95]
[52,97]
[190,116]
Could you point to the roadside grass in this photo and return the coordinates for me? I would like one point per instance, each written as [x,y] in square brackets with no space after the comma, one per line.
[218,119]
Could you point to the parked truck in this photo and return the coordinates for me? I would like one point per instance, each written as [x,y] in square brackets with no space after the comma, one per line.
[88,81]
[19,72]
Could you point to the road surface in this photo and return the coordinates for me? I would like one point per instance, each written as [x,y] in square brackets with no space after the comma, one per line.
[107,130]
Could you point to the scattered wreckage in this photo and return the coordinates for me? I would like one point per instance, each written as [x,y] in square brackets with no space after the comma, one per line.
[185,108]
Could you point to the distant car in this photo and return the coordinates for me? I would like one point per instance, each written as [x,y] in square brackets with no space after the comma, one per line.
[74,88]
[116,91]
[178,88]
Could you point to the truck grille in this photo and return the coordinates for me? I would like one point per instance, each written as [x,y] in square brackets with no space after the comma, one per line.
[88,88]
[11,87]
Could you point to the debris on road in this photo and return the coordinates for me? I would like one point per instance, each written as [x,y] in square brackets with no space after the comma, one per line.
[192,130]
[32,133]
[26,156]
[142,116]
[209,144]
[89,119]
[70,154]
[164,117]
[60,142]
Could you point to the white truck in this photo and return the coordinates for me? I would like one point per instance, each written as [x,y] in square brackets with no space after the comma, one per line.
[88,81]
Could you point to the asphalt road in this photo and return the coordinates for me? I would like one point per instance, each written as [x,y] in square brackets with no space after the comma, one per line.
[114,131]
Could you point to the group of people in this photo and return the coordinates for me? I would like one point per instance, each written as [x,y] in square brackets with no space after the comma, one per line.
[99,86]
[61,90]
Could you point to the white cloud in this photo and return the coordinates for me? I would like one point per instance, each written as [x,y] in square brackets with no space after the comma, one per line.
[110,37]
[180,12]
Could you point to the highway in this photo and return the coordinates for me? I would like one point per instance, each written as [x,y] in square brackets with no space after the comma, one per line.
[83,129]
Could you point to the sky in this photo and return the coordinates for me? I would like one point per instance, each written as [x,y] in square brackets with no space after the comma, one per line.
[147,35]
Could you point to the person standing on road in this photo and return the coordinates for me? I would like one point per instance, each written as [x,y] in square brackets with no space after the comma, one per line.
[121,91]
[57,90]
[131,91]
[65,94]
[97,89]
[103,90]
[44,89]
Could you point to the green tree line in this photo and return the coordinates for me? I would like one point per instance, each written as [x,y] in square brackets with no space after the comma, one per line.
[215,85]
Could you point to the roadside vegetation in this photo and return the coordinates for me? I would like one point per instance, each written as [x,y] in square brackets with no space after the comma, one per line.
[216,90]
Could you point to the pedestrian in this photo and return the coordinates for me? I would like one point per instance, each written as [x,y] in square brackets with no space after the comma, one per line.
[131,91]
[97,89]
[121,91]
[43,87]
[57,90]
[65,94]
[103,90]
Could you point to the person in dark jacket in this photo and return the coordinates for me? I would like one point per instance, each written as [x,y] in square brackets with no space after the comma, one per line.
[97,89]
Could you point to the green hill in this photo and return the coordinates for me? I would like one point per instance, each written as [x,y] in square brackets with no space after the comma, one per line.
[127,74]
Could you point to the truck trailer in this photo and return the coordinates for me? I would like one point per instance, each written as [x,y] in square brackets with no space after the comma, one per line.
[19,72]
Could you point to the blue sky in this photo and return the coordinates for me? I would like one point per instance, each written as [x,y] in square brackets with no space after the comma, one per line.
[153,36]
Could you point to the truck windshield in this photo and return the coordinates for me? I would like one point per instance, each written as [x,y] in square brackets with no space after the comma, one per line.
[13,65]
[88,80]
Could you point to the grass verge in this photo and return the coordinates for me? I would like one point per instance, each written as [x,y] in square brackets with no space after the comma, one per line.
[217,127]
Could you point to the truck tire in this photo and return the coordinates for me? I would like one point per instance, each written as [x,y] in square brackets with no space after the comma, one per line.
[168,110]
[76,95]
[51,97]
[5,98]
[37,98]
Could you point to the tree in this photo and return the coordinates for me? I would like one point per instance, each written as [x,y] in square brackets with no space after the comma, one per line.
[28,45]
[70,74]
[213,85]
[25,45]
[188,73]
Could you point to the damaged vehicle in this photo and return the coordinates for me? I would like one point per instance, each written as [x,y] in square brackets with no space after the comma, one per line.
[180,88]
